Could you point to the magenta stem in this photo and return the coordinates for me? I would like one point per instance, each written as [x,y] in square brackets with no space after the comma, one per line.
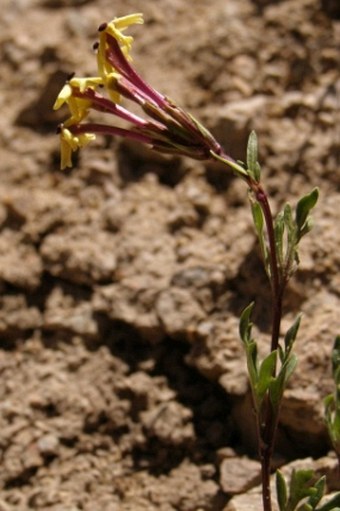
[118,61]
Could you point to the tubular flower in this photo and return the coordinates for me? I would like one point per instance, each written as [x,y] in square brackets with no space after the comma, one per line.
[78,106]
[70,142]
[164,126]
[115,28]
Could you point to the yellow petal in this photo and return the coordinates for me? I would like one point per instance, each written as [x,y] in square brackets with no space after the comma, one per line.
[85,138]
[90,82]
[117,25]
[70,143]
[65,154]
[69,139]
[79,109]
[103,67]
[63,97]
[126,21]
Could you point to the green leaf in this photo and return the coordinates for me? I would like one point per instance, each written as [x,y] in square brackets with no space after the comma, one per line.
[257,217]
[259,224]
[303,208]
[245,324]
[253,167]
[332,505]
[299,480]
[281,354]
[251,352]
[236,166]
[265,374]
[336,359]
[250,347]
[207,136]
[291,255]
[300,487]
[257,172]
[278,384]
[332,401]
[332,419]
[306,228]
[329,402]
[281,490]
[288,215]
[292,333]
[304,507]
[319,490]
[290,366]
[290,227]
[279,229]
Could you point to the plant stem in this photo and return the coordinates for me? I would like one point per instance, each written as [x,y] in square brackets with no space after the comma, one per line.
[265,475]
[267,427]
[268,417]
[277,289]
[277,285]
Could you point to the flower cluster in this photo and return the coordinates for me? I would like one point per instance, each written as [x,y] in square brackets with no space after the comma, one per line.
[163,125]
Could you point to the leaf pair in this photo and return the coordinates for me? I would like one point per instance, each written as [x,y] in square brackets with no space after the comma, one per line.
[288,230]
[263,378]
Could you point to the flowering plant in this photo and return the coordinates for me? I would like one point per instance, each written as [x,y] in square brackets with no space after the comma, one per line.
[167,128]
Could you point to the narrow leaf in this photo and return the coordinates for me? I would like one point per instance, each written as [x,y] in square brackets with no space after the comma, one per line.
[236,166]
[251,352]
[308,226]
[245,324]
[257,172]
[281,354]
[259,224]
[265,374]
[292,333]
[332,505]
[290,228]
[207,136]
[279,228]
[278,384]
[304,206]
[336,357]
[300,487]
[319,488]
[290,367]
[257,216]
[252,155]
[281,490]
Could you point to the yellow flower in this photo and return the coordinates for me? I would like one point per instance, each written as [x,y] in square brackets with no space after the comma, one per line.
[70,143]
[78,107]
[115,29]
[117,25]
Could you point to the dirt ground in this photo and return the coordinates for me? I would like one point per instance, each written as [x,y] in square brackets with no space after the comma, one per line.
[122,378]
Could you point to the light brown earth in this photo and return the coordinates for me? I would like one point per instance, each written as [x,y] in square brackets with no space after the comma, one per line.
[122,378]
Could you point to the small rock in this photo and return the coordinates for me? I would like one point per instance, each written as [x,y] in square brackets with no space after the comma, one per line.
[48,444]
[237,475]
